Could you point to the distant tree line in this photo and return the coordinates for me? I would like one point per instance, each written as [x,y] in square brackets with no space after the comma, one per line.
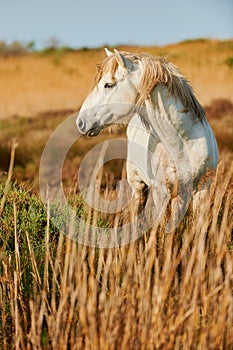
[18,48]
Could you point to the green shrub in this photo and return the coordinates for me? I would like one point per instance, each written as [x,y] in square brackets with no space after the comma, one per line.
[229,62]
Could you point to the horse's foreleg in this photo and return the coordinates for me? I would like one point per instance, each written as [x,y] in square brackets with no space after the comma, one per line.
[139,191]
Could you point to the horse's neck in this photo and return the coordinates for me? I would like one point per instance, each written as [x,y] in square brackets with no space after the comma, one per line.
[167,115]
[162,117]
[137,129]
[167,107]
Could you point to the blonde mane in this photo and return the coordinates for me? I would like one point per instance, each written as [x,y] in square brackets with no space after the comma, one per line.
[156,70]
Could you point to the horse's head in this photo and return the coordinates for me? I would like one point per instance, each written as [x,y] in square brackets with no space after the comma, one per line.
[113,98]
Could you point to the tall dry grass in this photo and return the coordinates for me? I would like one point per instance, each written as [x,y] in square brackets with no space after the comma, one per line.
[163,291]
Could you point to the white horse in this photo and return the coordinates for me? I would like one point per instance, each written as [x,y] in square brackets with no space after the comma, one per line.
[171,147]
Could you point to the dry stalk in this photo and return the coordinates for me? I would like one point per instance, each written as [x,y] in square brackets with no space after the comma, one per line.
[9,175]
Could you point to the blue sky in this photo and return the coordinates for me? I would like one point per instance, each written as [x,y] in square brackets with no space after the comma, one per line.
[97,23]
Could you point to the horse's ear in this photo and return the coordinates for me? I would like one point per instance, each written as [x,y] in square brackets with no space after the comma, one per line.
[108,52]
[123,61]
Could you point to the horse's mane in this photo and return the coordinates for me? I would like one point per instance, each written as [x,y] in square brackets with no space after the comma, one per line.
[156,70]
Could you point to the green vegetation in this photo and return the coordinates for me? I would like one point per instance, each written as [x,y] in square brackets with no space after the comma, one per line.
[195,40]
[17,48]
[229,62]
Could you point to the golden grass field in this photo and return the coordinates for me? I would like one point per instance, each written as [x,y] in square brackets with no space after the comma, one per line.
[162,292]
[36,83]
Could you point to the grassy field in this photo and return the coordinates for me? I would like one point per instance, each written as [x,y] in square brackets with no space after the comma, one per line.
[60,80]
[163,291]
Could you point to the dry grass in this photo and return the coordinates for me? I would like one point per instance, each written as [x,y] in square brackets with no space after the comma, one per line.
[164,291]
[36,83]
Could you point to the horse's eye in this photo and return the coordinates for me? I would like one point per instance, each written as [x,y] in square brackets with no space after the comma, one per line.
[109,85]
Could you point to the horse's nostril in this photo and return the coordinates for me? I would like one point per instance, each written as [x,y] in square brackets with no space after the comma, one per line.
[81,125]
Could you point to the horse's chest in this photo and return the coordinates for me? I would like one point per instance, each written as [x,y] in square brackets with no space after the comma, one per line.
[147,159]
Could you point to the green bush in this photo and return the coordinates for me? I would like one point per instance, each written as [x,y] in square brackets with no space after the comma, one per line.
[229,62]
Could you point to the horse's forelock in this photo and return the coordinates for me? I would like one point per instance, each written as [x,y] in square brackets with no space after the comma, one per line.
[109,64]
